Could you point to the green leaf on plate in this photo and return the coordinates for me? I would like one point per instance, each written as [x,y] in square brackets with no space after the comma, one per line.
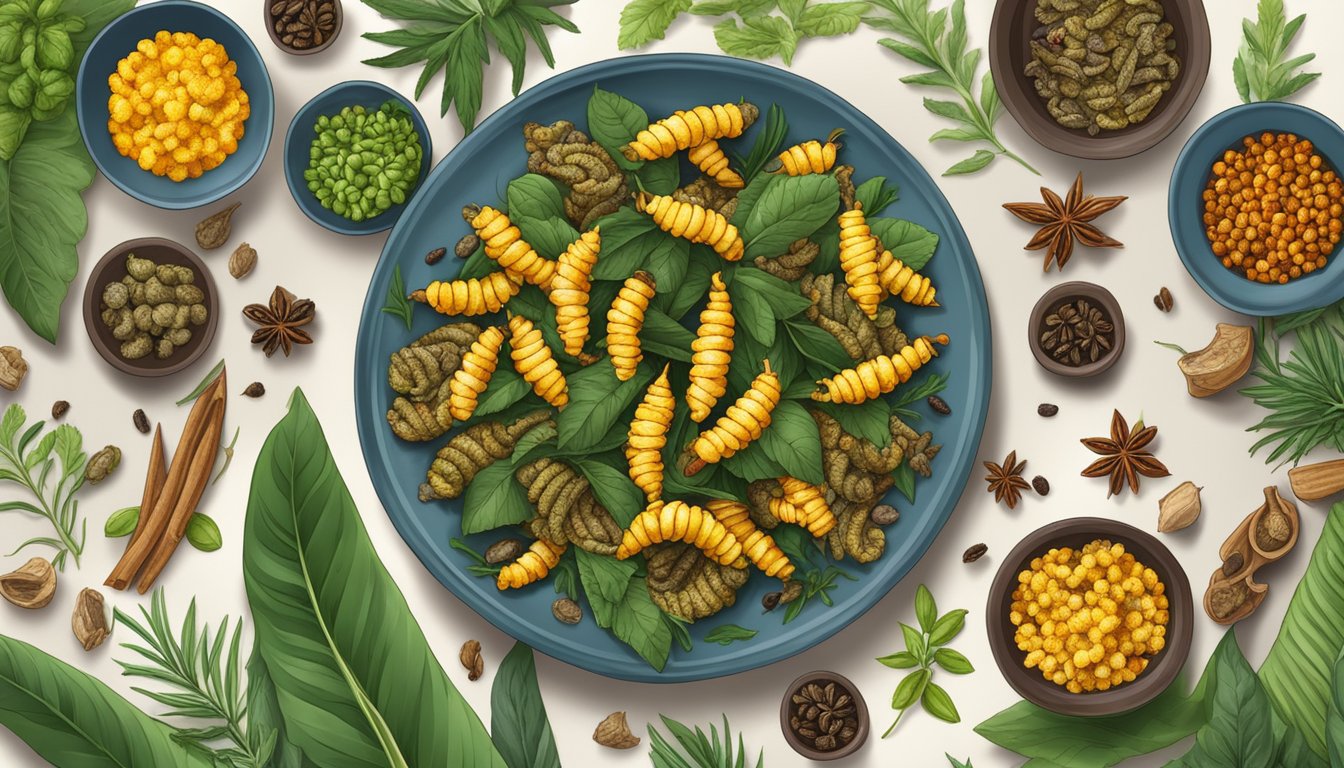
[665,337]
[596,400]
[727,634]
[550,237]
[784,299]
[534,196]
[791,208]
[906,240]
[613,121]
[876,196]
[613,488]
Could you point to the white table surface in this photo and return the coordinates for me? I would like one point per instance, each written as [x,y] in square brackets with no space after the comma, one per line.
[1200,440]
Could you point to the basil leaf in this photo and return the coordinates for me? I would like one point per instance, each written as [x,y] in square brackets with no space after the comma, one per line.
[518,723]
[906,240]
[910,689]
[748,197]
[643,21]
[947,627]
[900,660]
[926,610]
[614,490]
[869,420]
[596,401]
[728,634]
[791,208]
[793,442]
[694,287]
[535,196]
[660,177]
[506,387]
[904,477]
[353,672]
[667,261]
[638,622]
[665,337]
[754,314]
[937,703]
[613,122]
[493,500]
[769,141]
[783,298]
[549,237]
[203,533]
[630,250]
[876,196]
[818,346]
[953,661]
[1240,727]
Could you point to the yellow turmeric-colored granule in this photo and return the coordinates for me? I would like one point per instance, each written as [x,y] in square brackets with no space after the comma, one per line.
[1089,618]
[176,106]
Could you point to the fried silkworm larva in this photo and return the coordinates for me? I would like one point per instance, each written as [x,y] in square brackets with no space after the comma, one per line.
[743,422]
[899,280]
[711,160]
[806,505]
[757,546]
[532,567]
[648,435]
[684,129]
[712,351]
[879,375]
[469,297]
[533,360]
[504,244]
[570,290]
[679,521]
[810,156]
[694,223]
[625,319]
[473,376]
[858,259]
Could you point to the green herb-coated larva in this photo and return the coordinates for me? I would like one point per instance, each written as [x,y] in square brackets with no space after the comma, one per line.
[362,163]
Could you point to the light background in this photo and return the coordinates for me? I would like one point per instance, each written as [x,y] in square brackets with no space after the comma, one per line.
[1200,440]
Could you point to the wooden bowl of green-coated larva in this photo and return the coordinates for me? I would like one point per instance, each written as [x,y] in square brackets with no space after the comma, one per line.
[112,269]
[1016,24]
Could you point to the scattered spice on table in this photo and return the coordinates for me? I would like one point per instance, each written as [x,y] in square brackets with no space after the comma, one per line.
[470,656]
[1272,210]
[141,421]
[280,323]
[254,390]
[89,622]
[1163,299]
[1078,332]
[59,409]
[214,230]
[153,308]
[1064,221]
[824,715]
[31,586]
[12,368]
[303,24]
[242,261]
[1180,508]
[1040,485]
[939,405]
[1123,458]
[363,162]
[974,552]
[1005,480]
[614,732]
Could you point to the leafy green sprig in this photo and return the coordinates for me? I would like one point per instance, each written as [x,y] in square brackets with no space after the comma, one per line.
[397,304]
[51,470]
[925,650]
[1261,70]
[727,634]
[752,29]
[453,36]
[1305,392]
[698,750]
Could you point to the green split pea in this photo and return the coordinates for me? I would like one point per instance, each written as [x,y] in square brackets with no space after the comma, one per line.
[362,163]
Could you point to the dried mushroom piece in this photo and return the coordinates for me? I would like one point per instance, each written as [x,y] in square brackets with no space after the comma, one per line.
[688,585]
[614,732]
[567,508]
[31,586]
[596,184]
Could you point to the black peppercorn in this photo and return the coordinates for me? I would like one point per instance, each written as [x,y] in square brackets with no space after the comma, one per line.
[1041,485]
[1047,409]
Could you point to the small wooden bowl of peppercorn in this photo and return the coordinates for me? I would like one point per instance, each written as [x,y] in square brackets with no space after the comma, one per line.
[194,296]
[301,27]
[824,716]
[1077,329]
[1035,60]
[1162,667]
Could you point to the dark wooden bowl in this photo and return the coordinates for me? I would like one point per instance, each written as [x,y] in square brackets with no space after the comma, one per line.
[860,713]
[1162,667]
[112,268]
[1058,295]
[270,29]
[1009,51]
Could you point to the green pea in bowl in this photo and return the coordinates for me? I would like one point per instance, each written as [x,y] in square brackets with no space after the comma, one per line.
[342,211]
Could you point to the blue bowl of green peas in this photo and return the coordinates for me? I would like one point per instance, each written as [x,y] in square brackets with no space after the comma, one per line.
[350,169]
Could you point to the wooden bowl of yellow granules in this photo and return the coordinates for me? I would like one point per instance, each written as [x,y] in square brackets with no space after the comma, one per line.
[1112,618]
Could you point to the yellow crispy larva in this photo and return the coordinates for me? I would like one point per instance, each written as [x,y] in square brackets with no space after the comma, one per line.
[532,567]
[711,160]
[473,375]
[648,435]
[743,422]
[535,363]
[858,258]
[624,321]
[809,507]
[679,521]
[810,156]
[684,129]
[694,223]
[711,352]
[903,282]
[879,375]
[504,243]
[570,289]
[757,546]
[469,297]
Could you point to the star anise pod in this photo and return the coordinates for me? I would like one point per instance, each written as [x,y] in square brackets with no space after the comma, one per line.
[1123,457]
[1005,480]
[280,324]
[1063,221]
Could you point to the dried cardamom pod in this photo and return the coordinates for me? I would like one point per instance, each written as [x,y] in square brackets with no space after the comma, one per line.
[1180,508]
[614,732]
[90,619]
[470,656]
[12,368]
[242,261]
[31,586]
[101,464]
[214,231]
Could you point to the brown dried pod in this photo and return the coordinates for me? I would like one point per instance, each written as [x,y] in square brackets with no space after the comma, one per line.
[242,261]
[884,514]
[1163,299]
[254,390]
[566,610]
[435,256]
[141,421]
[614,732]
[470,656]
[89,621]
[1222,363]
[504,551]
[939,405]
[59,409]
[974,552]
[12,368]
[213,232]
[31,586]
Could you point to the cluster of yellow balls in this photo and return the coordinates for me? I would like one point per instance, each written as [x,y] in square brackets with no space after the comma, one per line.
[177,107]
[1089,618]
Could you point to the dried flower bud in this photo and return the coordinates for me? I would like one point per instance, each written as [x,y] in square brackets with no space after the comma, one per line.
[90,619]
[242,261]
[101,464]
[470,656]
[31,586]
[614,732]
[12,368]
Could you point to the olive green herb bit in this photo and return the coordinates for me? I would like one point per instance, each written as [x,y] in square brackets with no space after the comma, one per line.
[362,163]
[153,309]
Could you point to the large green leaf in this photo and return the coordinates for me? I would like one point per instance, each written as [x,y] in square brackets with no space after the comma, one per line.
[1334,720]
[1299,669]
[96,15]
[74,721]
[42,219]
[264,721]
[1240,730]
[518,719]
[355,679]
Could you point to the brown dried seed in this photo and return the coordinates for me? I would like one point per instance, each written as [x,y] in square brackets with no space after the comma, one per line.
[466,246]
[504,551]
[89,621]
[214,231]
[255,389]
[1047,409]
[435,256]
[973,553]
[884,514]
[1041,485]
[567,611]
[31,586]
[141,421]
[770,600]
[59,409]
[470,656]
[1163,299]
[614,732]
[939,405]
[1232,564]
[242,261]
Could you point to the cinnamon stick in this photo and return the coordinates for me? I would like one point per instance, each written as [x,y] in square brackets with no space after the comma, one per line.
[196,459]
[154,518]
[154,479]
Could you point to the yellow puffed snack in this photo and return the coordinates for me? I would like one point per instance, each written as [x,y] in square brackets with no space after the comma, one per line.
[625,319]
[684,129]
[693,222]
[757,546]
[712,351]
[532,567]
[469,297]
[648,435]
[810,156]
[679,521]
[879,375]
[533,360]
[570,289]
[473,375]
[176,105]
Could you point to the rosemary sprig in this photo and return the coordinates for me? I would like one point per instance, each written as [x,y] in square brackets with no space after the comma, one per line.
[32,464]
[1304,393]
[698,750]
[204,671]
[929,40]
[1260,70]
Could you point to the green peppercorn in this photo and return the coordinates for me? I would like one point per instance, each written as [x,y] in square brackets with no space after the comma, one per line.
[361,163]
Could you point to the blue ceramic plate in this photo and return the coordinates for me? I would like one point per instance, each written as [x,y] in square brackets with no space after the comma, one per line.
[479,170]
[115,42]
[351,93]
[1185,208]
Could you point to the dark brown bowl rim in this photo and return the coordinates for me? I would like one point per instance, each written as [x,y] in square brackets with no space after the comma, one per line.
[1162,669]
[93,292]
[270,29]
[1080,289]
[860,709]
[1019,95]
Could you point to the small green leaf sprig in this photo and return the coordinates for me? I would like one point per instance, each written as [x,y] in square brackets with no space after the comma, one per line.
[698,749]
[397,304]
[1261,70]
[925,649]
[51,470]
[752,29]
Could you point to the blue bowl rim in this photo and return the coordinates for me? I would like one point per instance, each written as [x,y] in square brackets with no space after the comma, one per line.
[980,372]
[87,133]
[1224,286]
[300,193]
